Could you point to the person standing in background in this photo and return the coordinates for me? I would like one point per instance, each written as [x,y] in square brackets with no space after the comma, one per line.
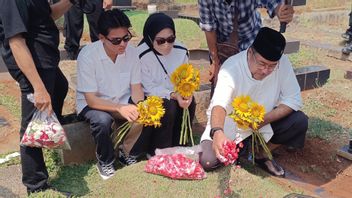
[231,26]
[74,24]
[29,41]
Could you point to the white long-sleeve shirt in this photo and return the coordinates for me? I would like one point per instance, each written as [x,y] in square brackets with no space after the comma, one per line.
[235,79]
[154,79]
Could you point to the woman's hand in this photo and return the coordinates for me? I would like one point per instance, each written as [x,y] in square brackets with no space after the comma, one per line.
[183,102]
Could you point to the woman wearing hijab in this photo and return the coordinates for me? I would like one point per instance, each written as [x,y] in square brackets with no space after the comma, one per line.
[160,54]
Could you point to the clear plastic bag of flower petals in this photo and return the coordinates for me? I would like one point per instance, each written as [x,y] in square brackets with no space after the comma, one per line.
[176,163]
[175,166]
[45,131]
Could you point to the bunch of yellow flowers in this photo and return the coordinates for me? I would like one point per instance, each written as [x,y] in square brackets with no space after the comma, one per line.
[186,80]
[249,114]
[150,112]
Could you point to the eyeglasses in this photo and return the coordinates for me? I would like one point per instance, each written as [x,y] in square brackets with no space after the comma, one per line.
[118,40]
[170,39]
[263,66]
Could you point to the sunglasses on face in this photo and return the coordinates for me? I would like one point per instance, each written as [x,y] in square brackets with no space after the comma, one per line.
[170,39]
[118,40]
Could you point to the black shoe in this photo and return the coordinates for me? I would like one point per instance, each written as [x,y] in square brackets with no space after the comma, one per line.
[127,160]
[106,170]
[347,35]
[347,49]
[49,187]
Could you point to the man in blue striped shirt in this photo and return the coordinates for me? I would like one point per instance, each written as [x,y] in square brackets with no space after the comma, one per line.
[231,26]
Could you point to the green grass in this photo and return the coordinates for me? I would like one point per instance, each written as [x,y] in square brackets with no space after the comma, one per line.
[186,1]
[10,103]
[132,181]
[305,56]
[187,31]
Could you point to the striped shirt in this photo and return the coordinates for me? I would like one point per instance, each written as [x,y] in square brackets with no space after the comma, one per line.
[217,15]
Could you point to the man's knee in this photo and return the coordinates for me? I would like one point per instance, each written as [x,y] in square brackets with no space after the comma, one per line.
[102,121]
[208,162]
[207,158]
[301,121]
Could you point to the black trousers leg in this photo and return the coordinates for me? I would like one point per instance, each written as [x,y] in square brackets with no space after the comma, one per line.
[176,134]
[34,172]
[73,29]
[290,130]
[93,20]
[100,125]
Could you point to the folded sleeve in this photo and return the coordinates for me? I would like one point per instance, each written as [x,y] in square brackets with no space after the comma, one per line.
[206,22]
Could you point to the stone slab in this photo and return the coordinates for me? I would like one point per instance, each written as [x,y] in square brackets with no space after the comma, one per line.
[343,152]
[292,47]
[311,77]
[81,142]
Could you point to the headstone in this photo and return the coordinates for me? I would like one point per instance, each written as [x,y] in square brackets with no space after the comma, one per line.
[311,77]
[81,142]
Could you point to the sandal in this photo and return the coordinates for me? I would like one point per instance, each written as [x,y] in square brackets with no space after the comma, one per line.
[278,172]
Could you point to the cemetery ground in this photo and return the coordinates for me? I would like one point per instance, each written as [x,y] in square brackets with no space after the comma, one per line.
[316,170]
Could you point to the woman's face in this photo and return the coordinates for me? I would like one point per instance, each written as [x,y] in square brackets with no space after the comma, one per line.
[164,41]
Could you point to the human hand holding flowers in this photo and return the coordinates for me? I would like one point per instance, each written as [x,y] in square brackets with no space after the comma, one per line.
[248,114]
[149,113]
[129,112]
[183,102]
[186,81]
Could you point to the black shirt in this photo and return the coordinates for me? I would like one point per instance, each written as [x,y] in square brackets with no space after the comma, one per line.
[32,19]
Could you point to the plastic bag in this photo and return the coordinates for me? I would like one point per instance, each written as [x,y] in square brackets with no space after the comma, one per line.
[44,131]
[176,163]
[191,152]
[176,166]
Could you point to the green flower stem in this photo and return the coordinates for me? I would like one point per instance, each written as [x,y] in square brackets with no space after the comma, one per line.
[184,122]
[190,126]
[253,150]
[257,136]
[182,129]
[121,133]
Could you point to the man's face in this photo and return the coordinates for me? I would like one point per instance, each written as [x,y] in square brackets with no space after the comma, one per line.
[259,66]
[116,41]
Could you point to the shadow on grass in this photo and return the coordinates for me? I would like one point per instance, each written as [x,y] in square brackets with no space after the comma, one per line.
[72,179]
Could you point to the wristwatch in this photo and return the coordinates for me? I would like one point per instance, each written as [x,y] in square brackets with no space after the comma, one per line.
[213,130]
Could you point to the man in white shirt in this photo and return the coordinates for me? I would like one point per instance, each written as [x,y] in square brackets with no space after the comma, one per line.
[108,75]
[268,78]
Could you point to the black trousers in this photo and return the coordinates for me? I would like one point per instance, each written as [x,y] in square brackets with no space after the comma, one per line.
[290,131]
[74,24]
[168,134]
[34,172]
[100,124]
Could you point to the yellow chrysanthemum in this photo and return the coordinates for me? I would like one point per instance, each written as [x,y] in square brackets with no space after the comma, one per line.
[241,104]
[186,88]
[257,112]
[183,72]
[151,111]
